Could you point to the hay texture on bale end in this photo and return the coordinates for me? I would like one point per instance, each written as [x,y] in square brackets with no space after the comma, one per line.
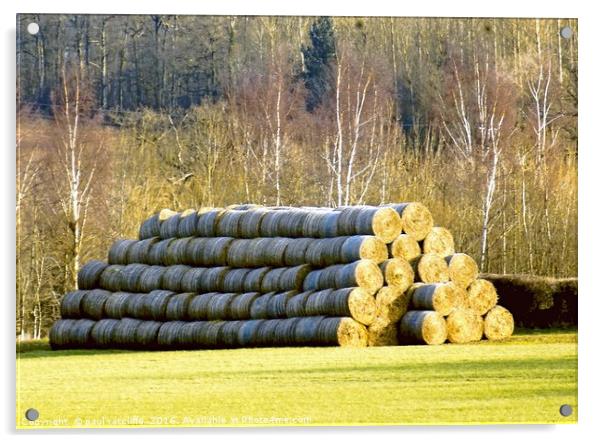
[341,331]
[398,272]
[440,297]
[416,219]
[383,333]
[439,241]
[430,268]
[482,296]
[405,246]
[463,270]
[422,327]
[498,323]
[391,304]
[464,326]
[363,247]
[363,273]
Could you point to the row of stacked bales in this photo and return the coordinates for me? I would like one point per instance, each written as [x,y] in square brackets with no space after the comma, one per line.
[250,275]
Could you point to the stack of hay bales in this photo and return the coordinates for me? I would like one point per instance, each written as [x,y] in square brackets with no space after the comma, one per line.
[249,275]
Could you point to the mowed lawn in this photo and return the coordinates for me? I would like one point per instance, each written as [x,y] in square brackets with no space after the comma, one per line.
[525,379]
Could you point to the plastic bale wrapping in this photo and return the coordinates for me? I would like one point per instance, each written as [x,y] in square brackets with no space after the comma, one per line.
[213,279]
[93,302]
[177,306]
[422,327]
[347,302]
[207,222]
[88,276]
[482,296]
[463,270]
[391,304]
[195,251]
[131,277]
[173,276]
[383,333]
[124,333]
[134,306]
[271,280]
[240,307]
[362,247]
[397,272]
[151,278]
[290,223]
[168,335]
[464,326]
[294,254]
[228,337]
[219,306]
[273,255]
[102,332]
[306,331]
[439,241]
[440,297]
[139,252]
[111,278]
[247,333]
[177,253]
[276,305]
[498,323]
[237,255]
[430,268]
[341,331]
[216,251]
[234,280]
[316,222]
[254,278]
[59,334]
[228,223]
[116,305]
[157,254]
[295,307]
[187,227]
[198,308]
[362,273]
[119,251]
[169,227]
[265,333]
[259,307]
[192,279]
[269,224]
[71,304]
[146,334]
[284,332]
[151,227]
[250,222]
[406,247]
[292,278]
[416,219]
[384,222]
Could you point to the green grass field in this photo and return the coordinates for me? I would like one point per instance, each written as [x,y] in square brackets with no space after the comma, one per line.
[524,380]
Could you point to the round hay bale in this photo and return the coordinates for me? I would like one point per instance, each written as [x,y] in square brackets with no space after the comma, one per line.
[119,251]
[135,305]
[461,296]
[124,333]
[342,331]
[276,304]
[463,270]
[464,326]
[177,252]
[151,278]
[89,274]
[228,224]
[172,277]
[292,278]
[206,225]
[422,327]
[363,247]
[116,305]
[228,338]
[247,333]
[102,332]
[168,335]
[328,277]
[482,296]
[238,253]
[312,223]
[195,251]
[131,277]
[295,306]
[347,302]
[198,308]
[328,224]
[439,241]
[430,268]
[216,252]
[139,252]
[346,220]
[363,273]
[391,304]
[273,254]
[80,335]
[383,223]
[254,278]
[111,278]
[306,331]
[284,332]
[331,255]
[158,252]
[259,307]
[187,227]
[93,302]
[169,227]
[150,227]
[383,333]
[264,335]
[315,254]
[177,306]
[234,280]
[398,272]
[213,279]
[146,333]
[71,304]
[292,225]
[250,223]
[59,334]
[219,306]
[210,334]
[294,254]
[416,219]
[192,280]
[269,224]
[440,297]
[155,304]
[271,280]
[498,324]
[405,246]
[255,254]
[312,280]
[240,307]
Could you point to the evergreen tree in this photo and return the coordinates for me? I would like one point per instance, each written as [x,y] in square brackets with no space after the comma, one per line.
[318,76]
